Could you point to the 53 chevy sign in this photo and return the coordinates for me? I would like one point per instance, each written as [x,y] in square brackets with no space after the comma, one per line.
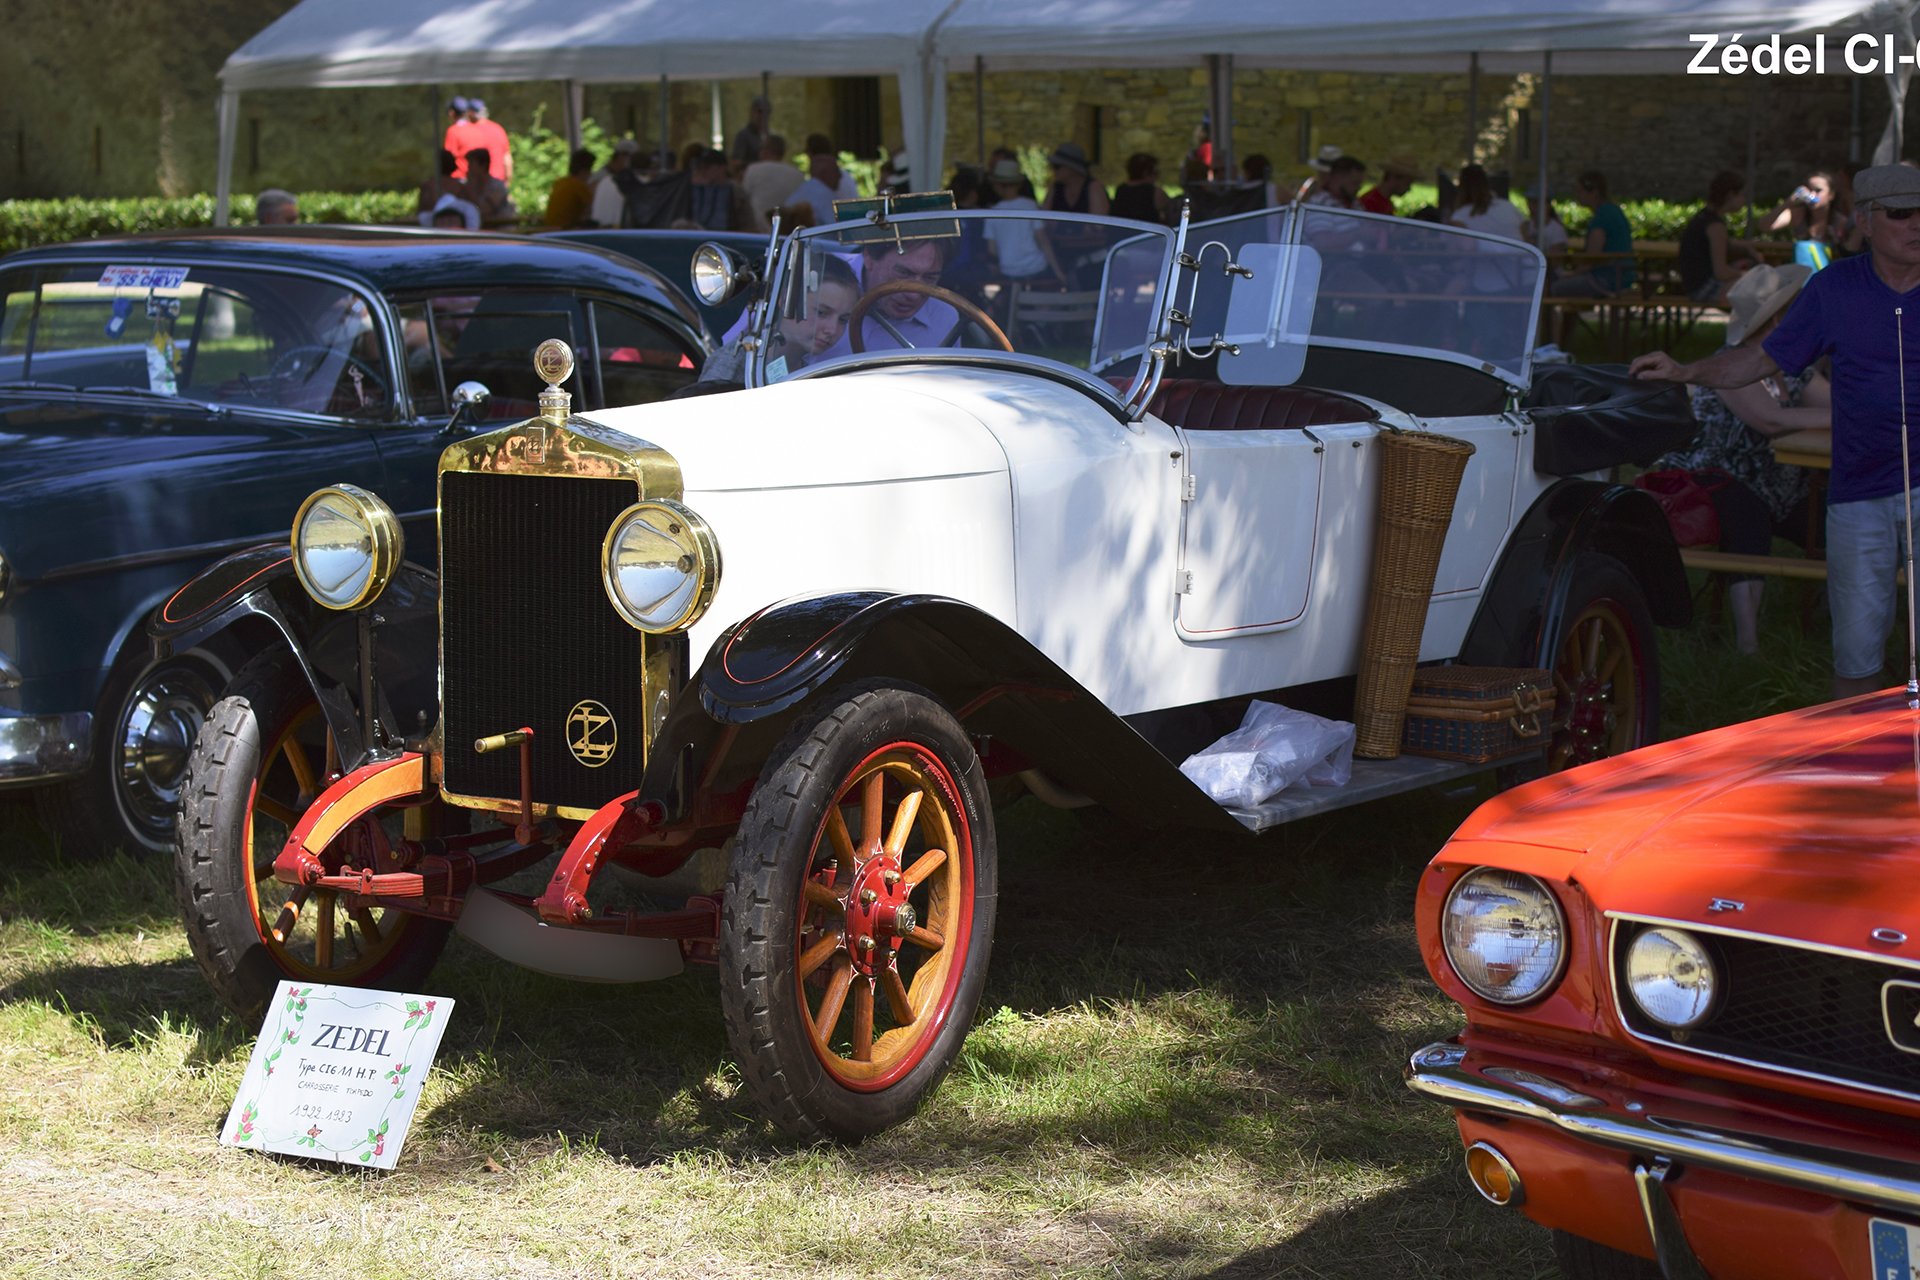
[336,1073]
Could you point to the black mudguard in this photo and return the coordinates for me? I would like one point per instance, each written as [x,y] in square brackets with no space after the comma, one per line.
[257,589]
[766,672]
[1520,616]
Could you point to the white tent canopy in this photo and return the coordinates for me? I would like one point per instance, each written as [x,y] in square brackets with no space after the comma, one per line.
[341,43]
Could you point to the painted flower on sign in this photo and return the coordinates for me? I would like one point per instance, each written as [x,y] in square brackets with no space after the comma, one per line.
[375,1144]
[245,1130]
[418,1016]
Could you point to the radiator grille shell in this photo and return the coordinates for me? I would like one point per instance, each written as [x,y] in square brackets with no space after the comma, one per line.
[527,633]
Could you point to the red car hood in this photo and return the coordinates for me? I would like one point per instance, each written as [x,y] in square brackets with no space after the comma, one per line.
[1811,820]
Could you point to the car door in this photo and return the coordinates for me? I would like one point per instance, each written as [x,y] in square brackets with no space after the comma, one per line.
[1249,519]
[468,335]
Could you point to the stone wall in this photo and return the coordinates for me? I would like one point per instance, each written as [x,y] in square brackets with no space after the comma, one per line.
[117,98]
[1655,136]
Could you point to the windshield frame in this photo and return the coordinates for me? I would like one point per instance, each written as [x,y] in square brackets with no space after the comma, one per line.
[400,408]
[786,251]
[1293,236]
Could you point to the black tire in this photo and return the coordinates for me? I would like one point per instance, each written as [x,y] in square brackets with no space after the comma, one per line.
[225,902]
[886,738]
[1582,1259]
[1594,718]
[145,724]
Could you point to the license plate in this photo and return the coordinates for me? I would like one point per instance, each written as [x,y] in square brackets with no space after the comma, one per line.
[1896,1250]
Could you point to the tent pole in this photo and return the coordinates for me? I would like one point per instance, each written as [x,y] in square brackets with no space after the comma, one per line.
[1753,151]
[1853,128]
[1473,108]
[435,142]
[719,128]
[223,179]
[1546,103]
[576,108]
[1223,147]
[980,107]
[765,77]
[666,149]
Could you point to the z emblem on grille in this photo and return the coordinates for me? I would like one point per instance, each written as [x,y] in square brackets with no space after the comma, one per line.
[591,733]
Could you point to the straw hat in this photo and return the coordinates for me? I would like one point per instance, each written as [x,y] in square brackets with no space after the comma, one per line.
[1006,171]
[1761,293]
[1328,154]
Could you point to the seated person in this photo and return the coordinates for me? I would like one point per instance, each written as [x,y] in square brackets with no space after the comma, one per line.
[796,343]
[1765,498]
[1021,248]
[487,192]
[906,318]
[1710,262]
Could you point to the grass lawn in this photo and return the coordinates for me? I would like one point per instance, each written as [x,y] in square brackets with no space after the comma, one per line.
[1188,1064]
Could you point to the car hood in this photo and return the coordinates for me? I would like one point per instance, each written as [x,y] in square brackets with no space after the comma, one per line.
[1809,820]
[64,457]
[856,429]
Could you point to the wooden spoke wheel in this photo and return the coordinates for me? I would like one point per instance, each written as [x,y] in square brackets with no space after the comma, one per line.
[877,911]
[261,759]
[859,915]
[1606,670]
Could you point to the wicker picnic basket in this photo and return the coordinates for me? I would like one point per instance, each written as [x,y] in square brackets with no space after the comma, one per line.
[1477,714]
[1419,480]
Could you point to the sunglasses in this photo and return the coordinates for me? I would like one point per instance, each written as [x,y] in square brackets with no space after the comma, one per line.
[1897,215]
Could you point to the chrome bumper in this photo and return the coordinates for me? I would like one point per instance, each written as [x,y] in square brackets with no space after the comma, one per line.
[1436,1072]
[44,748]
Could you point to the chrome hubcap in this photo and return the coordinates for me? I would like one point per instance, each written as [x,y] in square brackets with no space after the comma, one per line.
[157,731]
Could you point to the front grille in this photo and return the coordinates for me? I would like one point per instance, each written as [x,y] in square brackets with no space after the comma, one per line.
[1796,1009]
[528,633]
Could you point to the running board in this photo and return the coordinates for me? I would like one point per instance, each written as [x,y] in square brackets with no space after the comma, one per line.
[1372,780]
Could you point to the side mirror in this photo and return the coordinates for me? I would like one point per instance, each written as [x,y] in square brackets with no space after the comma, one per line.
[720,273]
[468,399]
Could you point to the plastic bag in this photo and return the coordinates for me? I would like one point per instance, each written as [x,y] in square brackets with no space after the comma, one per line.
[1274,748]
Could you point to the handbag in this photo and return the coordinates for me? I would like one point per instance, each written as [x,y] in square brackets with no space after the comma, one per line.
[1687,499]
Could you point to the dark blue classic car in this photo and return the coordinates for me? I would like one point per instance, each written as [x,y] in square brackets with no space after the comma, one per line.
[671,254]
[166,400]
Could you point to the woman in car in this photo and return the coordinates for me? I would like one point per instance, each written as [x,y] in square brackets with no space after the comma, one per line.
[796,342]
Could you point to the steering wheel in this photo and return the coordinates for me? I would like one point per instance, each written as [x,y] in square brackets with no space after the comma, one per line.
[288,362]
[856,335]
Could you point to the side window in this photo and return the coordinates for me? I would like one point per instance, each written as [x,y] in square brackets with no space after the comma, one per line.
[227,337]
[639,361]
[17,297]
[485,337]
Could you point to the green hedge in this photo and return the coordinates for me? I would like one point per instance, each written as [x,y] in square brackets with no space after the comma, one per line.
[26,223]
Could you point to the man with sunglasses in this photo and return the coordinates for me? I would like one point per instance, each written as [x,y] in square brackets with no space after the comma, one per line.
[1846,311]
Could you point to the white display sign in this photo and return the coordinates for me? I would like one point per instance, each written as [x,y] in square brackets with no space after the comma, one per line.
[336,1073]
[143,277]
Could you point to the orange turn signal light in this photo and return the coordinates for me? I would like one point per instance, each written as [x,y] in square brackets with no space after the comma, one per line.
[1494,1176]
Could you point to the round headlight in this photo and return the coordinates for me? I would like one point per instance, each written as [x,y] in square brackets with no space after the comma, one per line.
[1504,935]
[719,273]
[660,565]
[1672,978]
[346,545]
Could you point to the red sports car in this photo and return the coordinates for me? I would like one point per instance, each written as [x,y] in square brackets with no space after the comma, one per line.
[1692,985]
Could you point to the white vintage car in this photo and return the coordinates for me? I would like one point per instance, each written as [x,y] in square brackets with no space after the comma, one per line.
[785,647]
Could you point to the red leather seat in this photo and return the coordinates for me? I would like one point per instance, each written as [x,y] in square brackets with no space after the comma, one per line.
[1214,406]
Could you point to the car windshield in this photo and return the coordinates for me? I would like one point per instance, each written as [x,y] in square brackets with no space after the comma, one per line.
[1076,291]
[1365,281]
[198,333]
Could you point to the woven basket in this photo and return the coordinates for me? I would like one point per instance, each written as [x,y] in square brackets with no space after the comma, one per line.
[1419,480]
[1477,714]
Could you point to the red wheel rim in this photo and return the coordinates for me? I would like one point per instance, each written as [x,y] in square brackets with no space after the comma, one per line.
[1598,688]
[885,917]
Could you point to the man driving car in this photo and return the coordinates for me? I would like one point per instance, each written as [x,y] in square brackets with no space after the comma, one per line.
[909,317]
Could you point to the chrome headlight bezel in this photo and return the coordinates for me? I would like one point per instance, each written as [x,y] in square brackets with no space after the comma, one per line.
[385,544]
[1545,918]
[697,554]
[719,273]
[1687,966]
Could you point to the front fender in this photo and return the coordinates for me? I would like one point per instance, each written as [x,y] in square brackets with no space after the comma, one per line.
[1519,616]
[1016,701]
[260,583]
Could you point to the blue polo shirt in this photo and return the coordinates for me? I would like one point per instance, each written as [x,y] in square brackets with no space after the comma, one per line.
[1846,311]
